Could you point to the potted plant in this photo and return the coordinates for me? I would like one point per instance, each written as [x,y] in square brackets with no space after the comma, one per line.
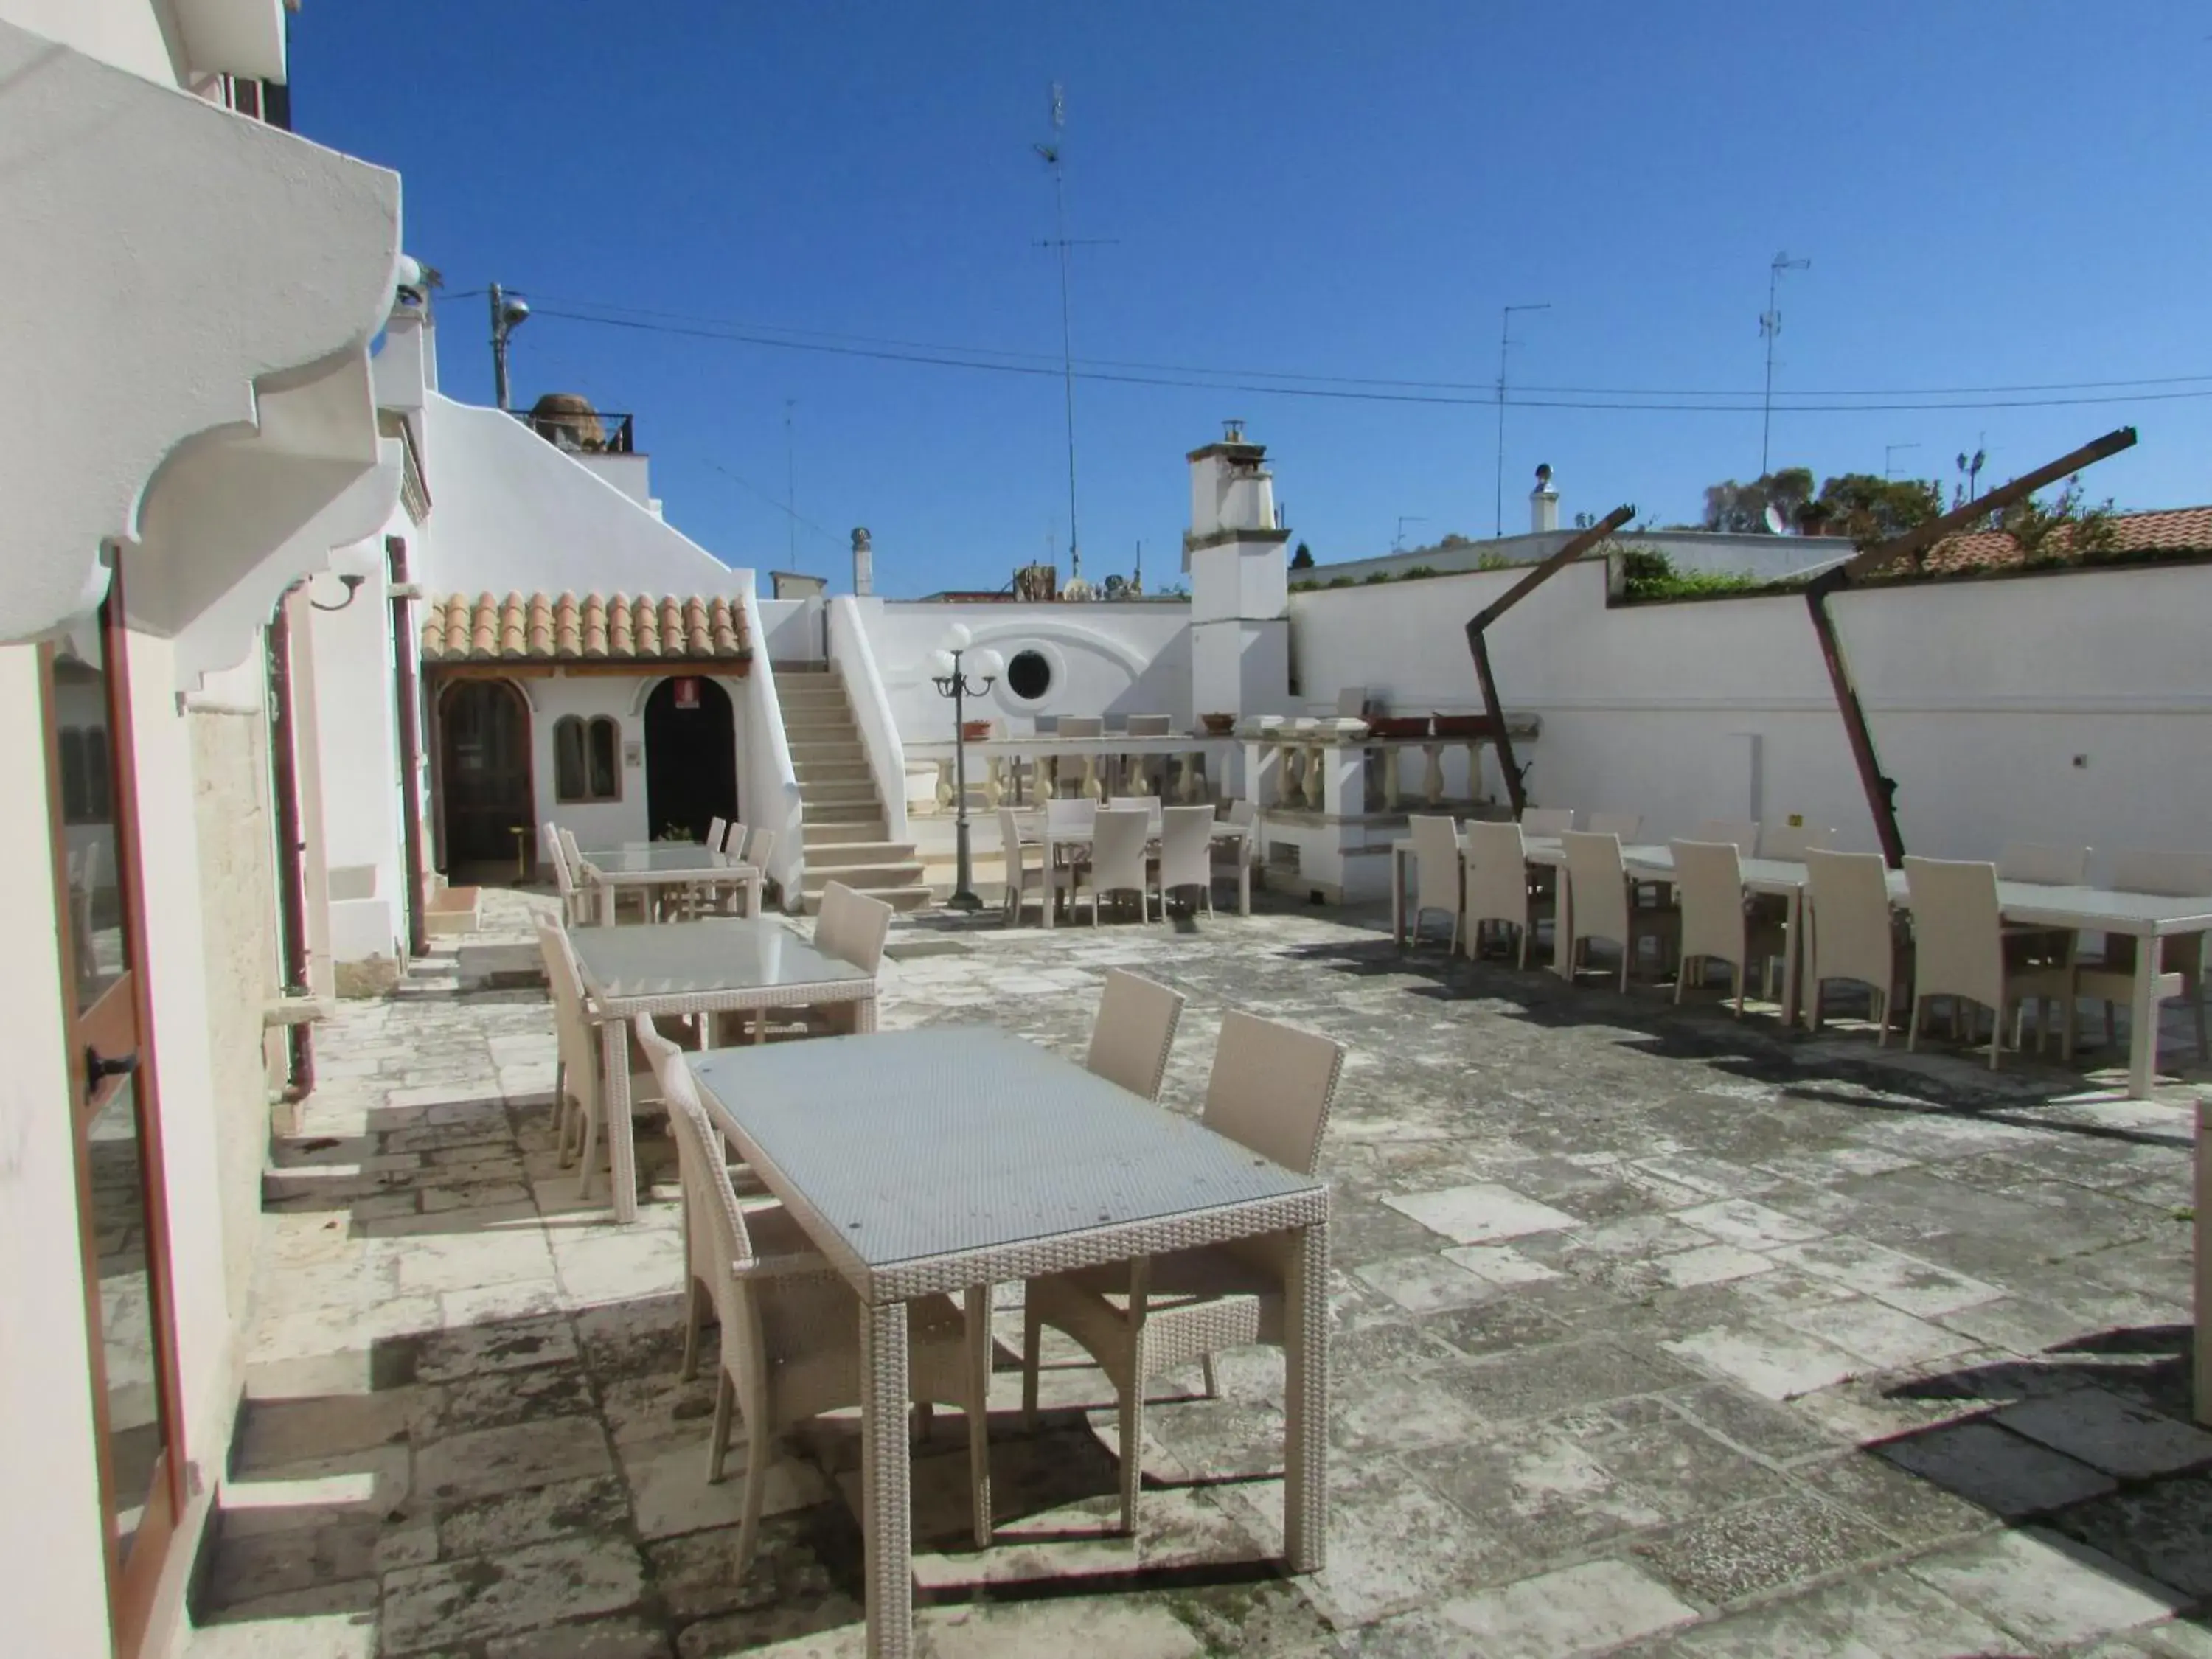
[1218,725]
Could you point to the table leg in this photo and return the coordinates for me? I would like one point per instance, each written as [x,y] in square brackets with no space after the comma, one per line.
[1397,896]
[886,1474]
[864,1014]
[1245,878]
[1792,949]
[1562,924]
[615,1109]
[1049,901]
[1305,1404]
[978,1309]
[2143,1021]
[2204,1263]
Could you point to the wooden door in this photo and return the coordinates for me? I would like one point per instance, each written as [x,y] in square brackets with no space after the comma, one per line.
[484,771]
[115,1109]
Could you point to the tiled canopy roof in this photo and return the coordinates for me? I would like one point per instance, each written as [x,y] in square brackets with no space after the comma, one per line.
[2170,529]
[591,628]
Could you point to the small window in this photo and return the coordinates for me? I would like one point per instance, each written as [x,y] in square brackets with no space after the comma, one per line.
[85,774]
[587,758]
[1028,676]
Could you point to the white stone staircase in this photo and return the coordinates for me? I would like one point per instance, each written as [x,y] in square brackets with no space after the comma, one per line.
[846,828]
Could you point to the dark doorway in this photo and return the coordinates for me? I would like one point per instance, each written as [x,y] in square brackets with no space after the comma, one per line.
[484,772]
[690,757]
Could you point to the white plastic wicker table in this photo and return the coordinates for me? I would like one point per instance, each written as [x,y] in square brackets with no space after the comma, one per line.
[713,967]
[948,1160]
[652,866]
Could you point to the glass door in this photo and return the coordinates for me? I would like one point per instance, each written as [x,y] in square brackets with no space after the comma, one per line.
[114,1109]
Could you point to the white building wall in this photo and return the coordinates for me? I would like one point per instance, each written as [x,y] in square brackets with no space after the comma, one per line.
[1981,696]
[356,736]
[1114,659]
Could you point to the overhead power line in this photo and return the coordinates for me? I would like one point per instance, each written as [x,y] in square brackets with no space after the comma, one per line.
[1190,381]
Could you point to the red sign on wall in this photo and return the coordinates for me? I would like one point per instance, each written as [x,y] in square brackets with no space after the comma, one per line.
[687,692]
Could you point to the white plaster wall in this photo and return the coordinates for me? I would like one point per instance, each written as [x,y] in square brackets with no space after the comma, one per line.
[356,736]
[52,1580]
[512,514]
[790,630]
[1769,558]
[129,34]
[1106,659]
[1980,697]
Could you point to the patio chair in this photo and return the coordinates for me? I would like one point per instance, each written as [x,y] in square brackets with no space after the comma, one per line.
[1717,921]
[577,1079]
[733,840]
[1187,855]
[1136,1027]
[852,926]
[1622,824]
[1270,1090]
[1853,932]
[1498,892]
[1014,852]
[1789,842]
[1547,820]
[1742,834]
[1148,805]
[716,828]
[577,906]
[1603,906]
[2110,976]
[1961,951]
[790,1326]
[761,850]
[1119,862]
[1436,874]
[2044,864]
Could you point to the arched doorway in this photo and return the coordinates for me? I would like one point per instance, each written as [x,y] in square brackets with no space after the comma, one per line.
[690,755]
[484,771]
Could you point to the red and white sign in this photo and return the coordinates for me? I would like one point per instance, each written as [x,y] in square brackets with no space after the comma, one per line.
[687,692]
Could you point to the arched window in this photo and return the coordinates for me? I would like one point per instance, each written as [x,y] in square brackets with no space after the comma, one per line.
[587,758]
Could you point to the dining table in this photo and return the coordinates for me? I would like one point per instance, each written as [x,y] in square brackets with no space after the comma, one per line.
[950,1159]
[719,965]
[1037,831]
[654,867]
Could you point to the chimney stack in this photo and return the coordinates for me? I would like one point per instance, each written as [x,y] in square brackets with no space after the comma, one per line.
[864,564]
[1543,502]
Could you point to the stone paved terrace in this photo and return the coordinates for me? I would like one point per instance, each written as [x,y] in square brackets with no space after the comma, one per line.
[1655,1333]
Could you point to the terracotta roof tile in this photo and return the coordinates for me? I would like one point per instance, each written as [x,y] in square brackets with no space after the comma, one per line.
[2168,529]
[594,626]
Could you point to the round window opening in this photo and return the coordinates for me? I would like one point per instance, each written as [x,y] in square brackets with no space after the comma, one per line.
[1028,676]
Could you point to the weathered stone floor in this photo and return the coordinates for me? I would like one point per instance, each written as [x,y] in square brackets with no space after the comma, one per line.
[1655,1333]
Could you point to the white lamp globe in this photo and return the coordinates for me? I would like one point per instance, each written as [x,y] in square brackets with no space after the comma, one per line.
[988,663]
[957,637]
[940,663]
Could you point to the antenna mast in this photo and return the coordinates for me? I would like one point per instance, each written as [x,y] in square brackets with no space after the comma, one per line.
[790,483]
[1769,324]
[1050,153]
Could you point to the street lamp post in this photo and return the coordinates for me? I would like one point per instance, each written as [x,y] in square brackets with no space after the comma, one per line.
[961,680]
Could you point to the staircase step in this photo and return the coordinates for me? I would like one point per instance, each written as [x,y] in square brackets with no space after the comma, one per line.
[856,831]
[899,898]
[831,771]
[848,813]
[831,855]
[899,874]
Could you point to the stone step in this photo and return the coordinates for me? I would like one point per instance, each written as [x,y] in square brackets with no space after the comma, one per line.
[836,854]
[824,744]
[835,833]
[899,898]
[845,812]
[905,873]
[842,791]
[838,770]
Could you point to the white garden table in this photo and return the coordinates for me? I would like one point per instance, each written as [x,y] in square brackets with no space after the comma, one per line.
[717,966]
[949,1160]
[1225,832]
[653,867]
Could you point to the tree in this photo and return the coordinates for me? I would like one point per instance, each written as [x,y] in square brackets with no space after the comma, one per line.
[1741,507]
[1870,510]
[1303,559]
[2064,529]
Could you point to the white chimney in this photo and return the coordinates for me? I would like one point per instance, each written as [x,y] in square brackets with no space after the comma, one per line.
[1543,502]
[864,564]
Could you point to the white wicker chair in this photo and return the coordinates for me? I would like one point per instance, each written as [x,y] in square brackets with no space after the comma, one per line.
[1622,824]
[1014,860]
[577,906]
[1436,874]
[577,1080]
[1852,933]
[2045,865]
[1789,842]
[1719,924]
[1119,860]
[1497,888]
[1136,1027]
[1271,1091]
[1602,905]
[1742,834]
[1187,855]
[2110,977]
[790,1326]
[1959,951]
[852,928]
[1547,820]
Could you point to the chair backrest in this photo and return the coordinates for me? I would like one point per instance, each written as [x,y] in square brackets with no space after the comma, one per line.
[1243,812]
[1148,805]
[1069,815]
[1496,874]
[2046,865]
[1854,930]
[1547,820]
[1791,841]
[572,1033]
[1600,886]
[1136,1027]
[1080,726]
[1010,844]
[1622,824]
[1117,850]
[1957,929]
[549,837]
[1435,858]
[2172,875]
[1187,846]
[575,854]
[852,927]
[1149,726]
[1742,834]
[733,840]
[1351,702]
[716,828]
[762,848]
[1272,1087]
[1708,882]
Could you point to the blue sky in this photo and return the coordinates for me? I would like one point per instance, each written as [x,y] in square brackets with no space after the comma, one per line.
[1990,196]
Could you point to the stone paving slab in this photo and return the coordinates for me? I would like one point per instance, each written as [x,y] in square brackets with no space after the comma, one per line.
[1655,1332]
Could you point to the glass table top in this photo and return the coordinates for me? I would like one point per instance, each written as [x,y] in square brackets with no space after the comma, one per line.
[688,958]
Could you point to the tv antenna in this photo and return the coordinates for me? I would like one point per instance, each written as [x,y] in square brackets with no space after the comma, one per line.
[1398,541]
[1972,465]
[1769,324]
[1889,458]
[1053,154]
[790,482]
[1504,342]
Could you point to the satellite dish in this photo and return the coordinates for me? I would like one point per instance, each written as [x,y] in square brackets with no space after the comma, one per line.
[1774,524]
[1116,586]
